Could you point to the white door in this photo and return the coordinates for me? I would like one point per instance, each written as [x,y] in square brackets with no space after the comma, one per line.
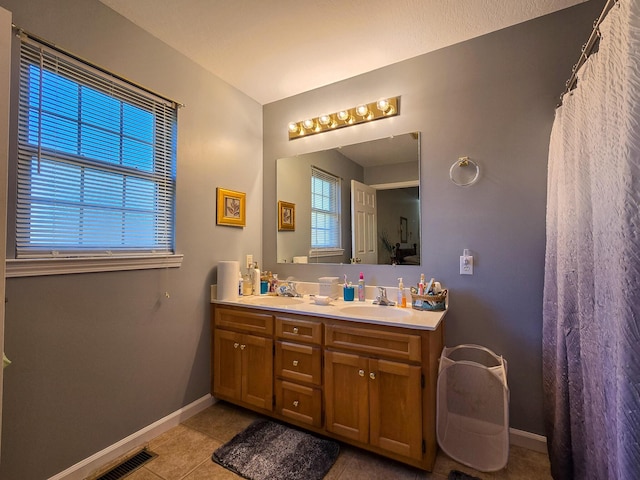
[364,242]
[5,69]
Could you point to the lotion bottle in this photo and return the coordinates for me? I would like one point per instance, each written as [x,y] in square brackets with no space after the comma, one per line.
[421,285]
[361,288]
[256,279]
[402,299]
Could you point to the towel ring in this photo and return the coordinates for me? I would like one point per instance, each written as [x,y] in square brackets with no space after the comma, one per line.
[464,172]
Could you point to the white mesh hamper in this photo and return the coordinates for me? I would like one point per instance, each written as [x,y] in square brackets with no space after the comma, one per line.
[473,407]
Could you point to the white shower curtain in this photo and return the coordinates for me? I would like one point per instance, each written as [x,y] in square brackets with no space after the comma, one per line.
[591,332]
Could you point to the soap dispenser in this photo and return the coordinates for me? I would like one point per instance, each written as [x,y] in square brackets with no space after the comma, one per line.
[361,292]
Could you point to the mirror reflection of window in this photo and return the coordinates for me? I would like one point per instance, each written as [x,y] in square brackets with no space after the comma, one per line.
[325,210]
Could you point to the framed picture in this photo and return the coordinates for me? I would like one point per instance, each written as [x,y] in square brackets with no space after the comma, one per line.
[286,216]
[231,208]
[403,230]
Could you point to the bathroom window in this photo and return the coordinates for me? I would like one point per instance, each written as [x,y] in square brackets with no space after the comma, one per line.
[96,162]
[325,213]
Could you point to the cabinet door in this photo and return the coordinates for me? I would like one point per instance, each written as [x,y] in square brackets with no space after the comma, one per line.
[396,407]
[227,364]
[257,371]
[347,395]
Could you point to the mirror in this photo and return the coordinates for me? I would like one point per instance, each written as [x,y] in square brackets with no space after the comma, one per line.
[377,224]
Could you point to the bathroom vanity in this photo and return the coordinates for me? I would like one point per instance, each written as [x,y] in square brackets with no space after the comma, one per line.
[360,373]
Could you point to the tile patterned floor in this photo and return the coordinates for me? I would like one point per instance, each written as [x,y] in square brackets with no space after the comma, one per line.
[184,453]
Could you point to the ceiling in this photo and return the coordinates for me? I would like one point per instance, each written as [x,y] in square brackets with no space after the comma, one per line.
[271,50]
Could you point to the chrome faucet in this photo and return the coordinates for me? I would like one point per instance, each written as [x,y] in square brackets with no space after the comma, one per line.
[382,299]
[288,290]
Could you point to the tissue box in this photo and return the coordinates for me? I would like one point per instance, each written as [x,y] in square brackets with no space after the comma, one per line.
[329,287]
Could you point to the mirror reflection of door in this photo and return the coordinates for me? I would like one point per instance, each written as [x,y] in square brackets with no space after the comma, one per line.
[364,244]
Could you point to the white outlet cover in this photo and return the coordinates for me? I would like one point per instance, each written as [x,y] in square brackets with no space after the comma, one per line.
[466,265]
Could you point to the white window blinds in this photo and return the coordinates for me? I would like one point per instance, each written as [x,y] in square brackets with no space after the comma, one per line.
[96,161]
[325,211]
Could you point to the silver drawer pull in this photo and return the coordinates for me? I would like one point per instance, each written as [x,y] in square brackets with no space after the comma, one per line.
[372,376]
[295,330]
[295,363]
[361,373]
[236,345]
[296,403]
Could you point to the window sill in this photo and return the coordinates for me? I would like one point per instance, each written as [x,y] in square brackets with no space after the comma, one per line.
[326,252]
[33,267]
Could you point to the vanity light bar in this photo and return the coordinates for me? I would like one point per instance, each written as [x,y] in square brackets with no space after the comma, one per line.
[383,108]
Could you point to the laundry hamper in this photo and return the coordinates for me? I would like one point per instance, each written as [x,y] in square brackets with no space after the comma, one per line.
[473,407]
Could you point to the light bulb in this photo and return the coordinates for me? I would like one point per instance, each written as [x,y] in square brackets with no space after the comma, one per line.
[383,105]
[362,110]
[343,115]
[308,124]
[293,127]
[324,119]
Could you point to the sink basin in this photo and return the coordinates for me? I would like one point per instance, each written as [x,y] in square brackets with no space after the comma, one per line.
[274,301]
[375,311]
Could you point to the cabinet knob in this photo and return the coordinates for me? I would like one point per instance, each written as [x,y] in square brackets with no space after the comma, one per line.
[361,373]
[236,345]
[296,403]
[295,363]
[295,330]
[372,376]
[242,347]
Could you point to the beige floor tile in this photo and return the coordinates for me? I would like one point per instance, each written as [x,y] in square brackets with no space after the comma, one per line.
[143,474]
[363,465]
[525,464]
[209,470]
[444,465]
[180,450]
[222,421]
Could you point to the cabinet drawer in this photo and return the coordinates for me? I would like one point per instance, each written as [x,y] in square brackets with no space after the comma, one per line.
[300,403]
[299,330]
[402,346]
[244,321]
[297,362]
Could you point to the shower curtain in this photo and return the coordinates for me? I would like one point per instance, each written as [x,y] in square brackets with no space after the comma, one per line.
[591,311]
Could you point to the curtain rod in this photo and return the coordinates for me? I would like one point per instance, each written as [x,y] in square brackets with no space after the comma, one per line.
[587,48]
[21,32]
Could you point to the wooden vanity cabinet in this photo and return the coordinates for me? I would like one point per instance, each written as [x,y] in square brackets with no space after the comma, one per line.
[298,369]
[369,385]
[371,399]
[242,366]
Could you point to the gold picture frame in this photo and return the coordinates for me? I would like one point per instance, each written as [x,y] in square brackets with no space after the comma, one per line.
[231,208]
[286,216]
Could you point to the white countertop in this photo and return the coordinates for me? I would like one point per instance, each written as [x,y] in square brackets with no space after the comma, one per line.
[365,312]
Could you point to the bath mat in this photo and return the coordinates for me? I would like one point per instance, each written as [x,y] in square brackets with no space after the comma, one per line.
[267,450]
[457,475]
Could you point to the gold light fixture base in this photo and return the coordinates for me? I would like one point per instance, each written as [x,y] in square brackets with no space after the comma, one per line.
[384,108]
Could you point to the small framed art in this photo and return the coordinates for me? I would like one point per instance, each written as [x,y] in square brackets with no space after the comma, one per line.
[286,216]
[231,208]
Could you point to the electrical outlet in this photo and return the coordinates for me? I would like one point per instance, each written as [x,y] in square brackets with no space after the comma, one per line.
[466,265]
[249,261]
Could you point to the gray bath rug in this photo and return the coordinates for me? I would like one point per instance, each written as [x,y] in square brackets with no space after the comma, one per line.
[267,450]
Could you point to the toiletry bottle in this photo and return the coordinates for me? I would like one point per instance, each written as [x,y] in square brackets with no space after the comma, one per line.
[274,283]
[247,284]
[239,283]
[421,285]
[361,288]
[402,299]
[256,279]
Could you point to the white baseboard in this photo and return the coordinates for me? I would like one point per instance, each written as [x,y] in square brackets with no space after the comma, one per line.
[87,466]
[532,441]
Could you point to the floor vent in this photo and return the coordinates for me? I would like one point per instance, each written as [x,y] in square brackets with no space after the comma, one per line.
[127,466]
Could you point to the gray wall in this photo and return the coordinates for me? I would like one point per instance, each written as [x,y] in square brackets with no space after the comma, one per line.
[493,99]
[98,356]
